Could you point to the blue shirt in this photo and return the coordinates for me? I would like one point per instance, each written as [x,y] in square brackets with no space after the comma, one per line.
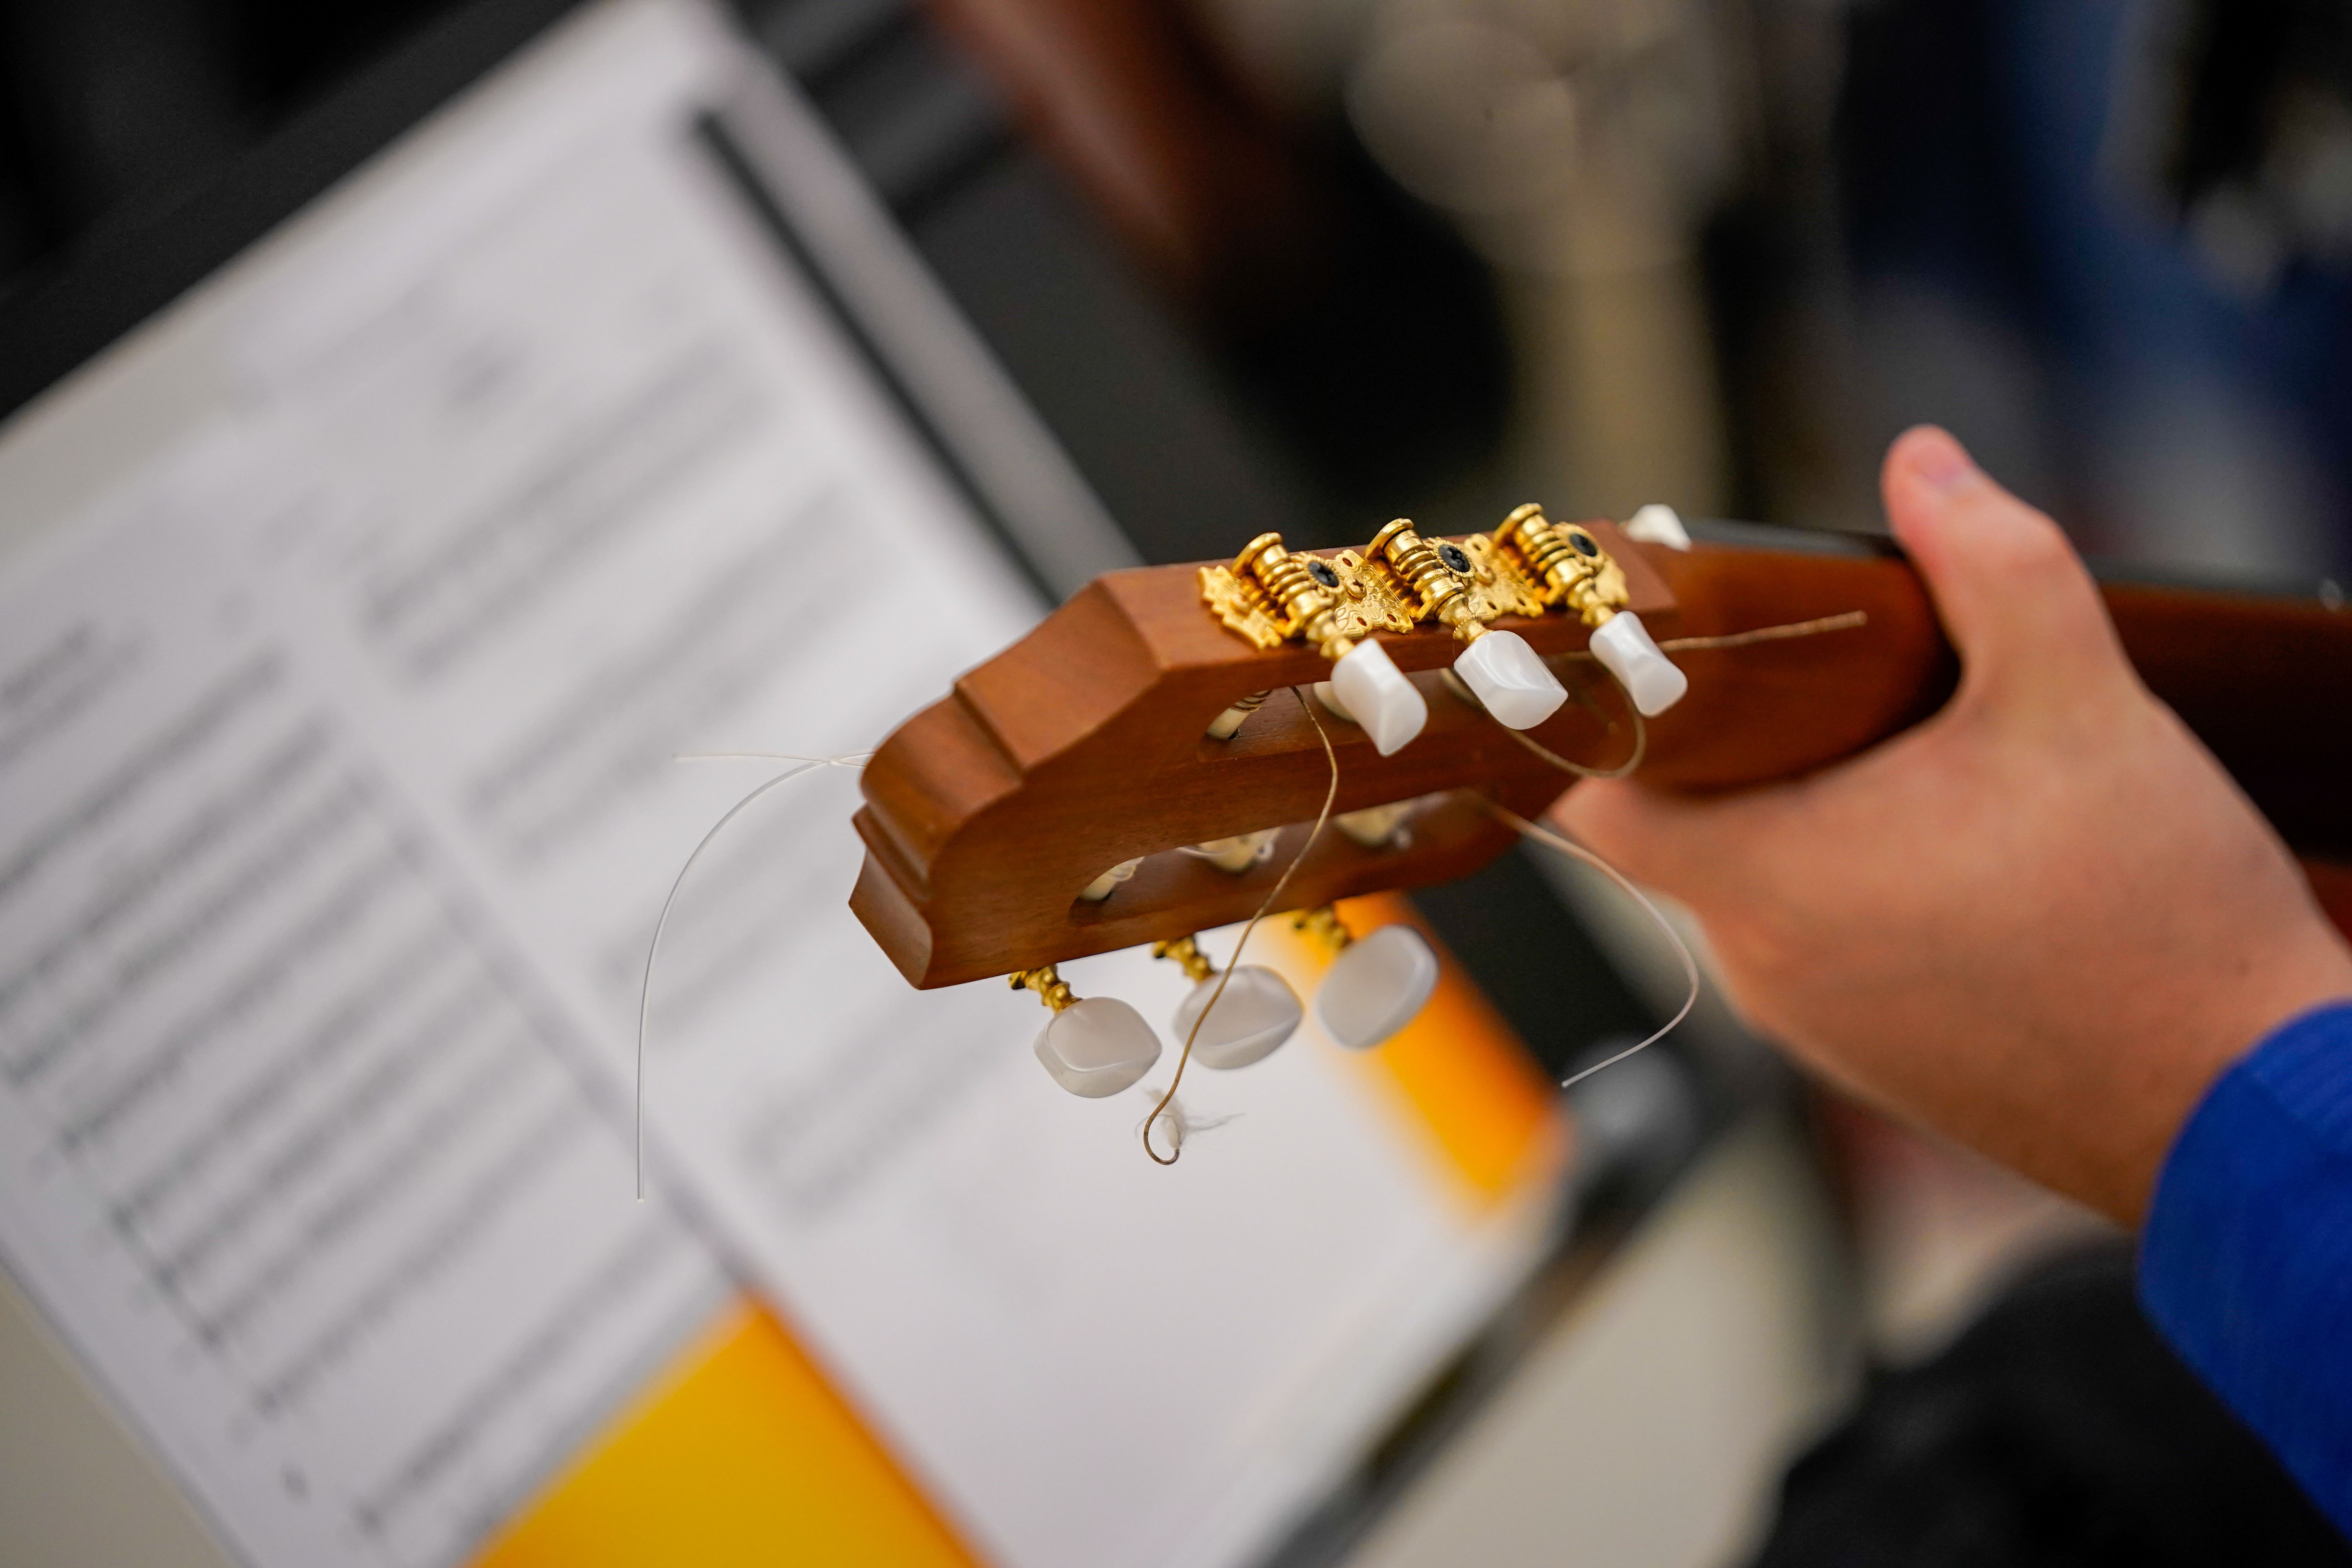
[2246,1259]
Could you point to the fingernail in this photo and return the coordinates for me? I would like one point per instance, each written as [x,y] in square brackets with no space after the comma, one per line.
[1940,461]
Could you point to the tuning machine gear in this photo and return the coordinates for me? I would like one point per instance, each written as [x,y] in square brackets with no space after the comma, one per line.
[1272,595]
[1572,571]
[1464,586]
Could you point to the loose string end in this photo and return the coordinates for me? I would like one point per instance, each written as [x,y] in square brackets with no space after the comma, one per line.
[1569,846]
[653,947]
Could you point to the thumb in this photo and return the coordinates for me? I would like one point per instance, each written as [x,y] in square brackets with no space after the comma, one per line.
[2013,597]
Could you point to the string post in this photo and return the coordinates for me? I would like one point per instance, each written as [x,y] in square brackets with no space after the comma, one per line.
[1186,954]
[1051,988]
[1104,886]
[1235,853]
[1226,725]
[1380,826]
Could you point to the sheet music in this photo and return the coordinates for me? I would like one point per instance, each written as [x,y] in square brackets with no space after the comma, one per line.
[292,1151]
[541,466]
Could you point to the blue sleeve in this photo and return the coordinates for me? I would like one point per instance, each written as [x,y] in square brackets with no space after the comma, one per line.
[2246,1259]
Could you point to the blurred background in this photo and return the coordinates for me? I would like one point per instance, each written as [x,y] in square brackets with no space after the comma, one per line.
[1422,253]
[1310,264]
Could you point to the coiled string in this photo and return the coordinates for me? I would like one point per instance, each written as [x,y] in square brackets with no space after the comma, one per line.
[1273,894]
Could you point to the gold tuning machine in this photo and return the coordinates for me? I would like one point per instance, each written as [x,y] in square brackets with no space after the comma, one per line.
[1186,954]
[1093,1046]
[1566,564]
[1460,586]
[1323,924]
[1051,988]
[1575,573]
[1254,1009]
[1272,595]
[1376,984]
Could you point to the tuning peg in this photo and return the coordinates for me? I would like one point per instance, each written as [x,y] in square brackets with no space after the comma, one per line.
[1376,985]
[1365,688]
[1256,1013]
[1657,523]
[1500,666]
[1510,680]
[1094,1047]
[1572,569]
[1623,645]
[1373,692]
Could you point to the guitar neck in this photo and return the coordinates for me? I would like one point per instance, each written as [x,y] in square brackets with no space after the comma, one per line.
[2263,679]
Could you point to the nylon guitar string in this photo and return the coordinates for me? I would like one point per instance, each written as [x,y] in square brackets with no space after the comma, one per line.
[851,760]
[1330,797]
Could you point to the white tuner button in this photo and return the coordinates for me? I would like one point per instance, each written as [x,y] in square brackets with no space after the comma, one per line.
[1377,986]
[1657,523]
[1510,680]
[1097,1047]
[1377,695]
[1623,645]
[1257,1012]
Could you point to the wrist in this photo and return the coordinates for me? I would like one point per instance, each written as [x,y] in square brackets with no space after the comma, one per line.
[2295,981]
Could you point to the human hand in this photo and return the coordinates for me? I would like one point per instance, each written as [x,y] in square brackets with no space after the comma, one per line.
[2041,923]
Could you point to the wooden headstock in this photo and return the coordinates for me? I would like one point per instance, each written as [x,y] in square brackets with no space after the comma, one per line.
[1083,744]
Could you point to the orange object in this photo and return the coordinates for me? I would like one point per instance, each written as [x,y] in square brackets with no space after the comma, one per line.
[740,1454]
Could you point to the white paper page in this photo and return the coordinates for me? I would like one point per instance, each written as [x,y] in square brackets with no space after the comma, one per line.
[548,467]
[291,1153]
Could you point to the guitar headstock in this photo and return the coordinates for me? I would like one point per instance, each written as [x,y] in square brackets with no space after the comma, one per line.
[1087,746]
